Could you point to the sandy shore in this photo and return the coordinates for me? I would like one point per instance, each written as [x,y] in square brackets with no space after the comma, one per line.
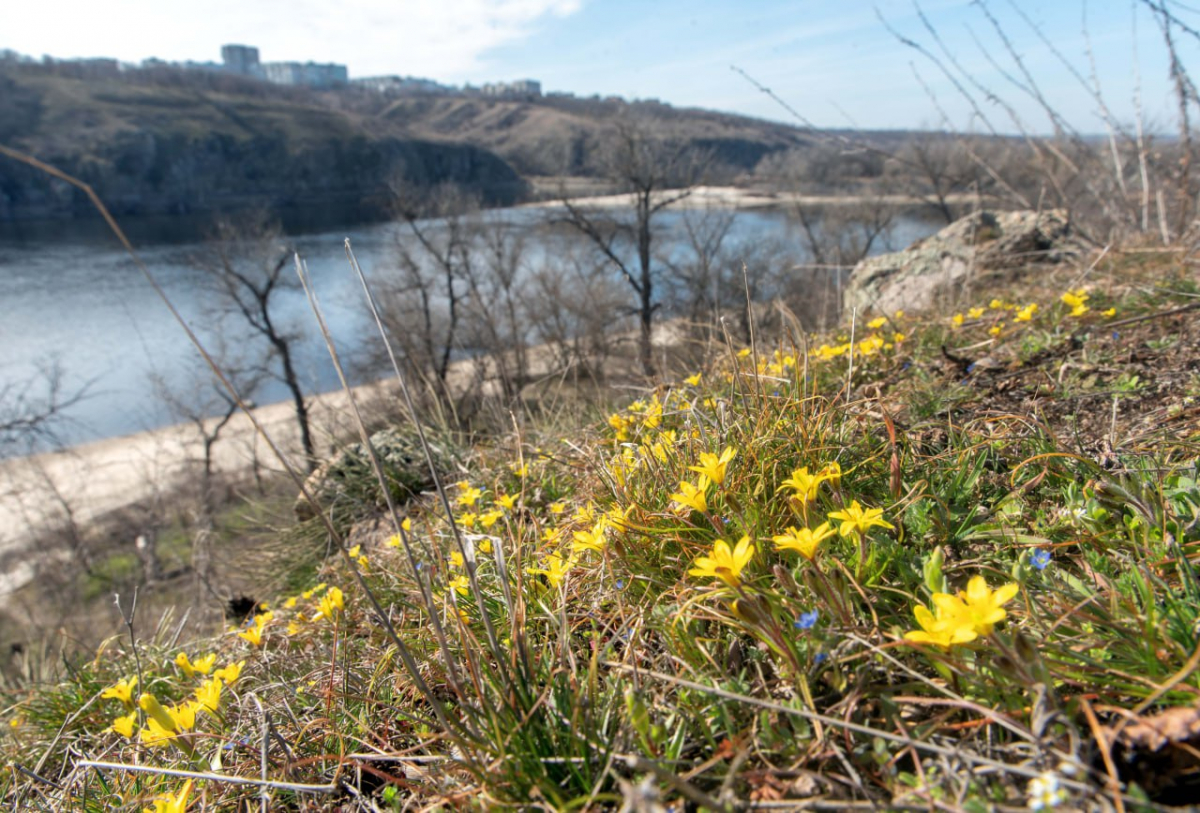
[735,197]
[44,492]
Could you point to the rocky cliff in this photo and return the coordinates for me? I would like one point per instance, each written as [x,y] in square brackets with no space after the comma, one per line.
[190,142]
[148,149]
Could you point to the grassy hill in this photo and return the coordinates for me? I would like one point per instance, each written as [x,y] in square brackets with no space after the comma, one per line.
[170,141]
[195,145]
[939,561]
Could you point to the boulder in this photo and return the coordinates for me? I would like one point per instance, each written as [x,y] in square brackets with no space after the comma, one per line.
[940,266]
[346,485]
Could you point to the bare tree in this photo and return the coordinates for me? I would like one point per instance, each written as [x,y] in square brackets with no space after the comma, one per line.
[653,173]
[938,168]
[496,304]
[580,300]
[250,268]
[841,235]
[699,272]
[434,256]
[32,410]
[207,407]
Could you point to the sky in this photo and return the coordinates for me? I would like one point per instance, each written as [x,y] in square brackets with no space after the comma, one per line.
[834,62]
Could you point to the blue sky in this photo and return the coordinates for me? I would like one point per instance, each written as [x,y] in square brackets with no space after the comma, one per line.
[832,60]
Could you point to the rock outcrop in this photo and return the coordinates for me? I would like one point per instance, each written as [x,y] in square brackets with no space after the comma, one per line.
[347,487]
[981,245]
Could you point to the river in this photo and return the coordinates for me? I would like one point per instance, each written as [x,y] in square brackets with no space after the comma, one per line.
[74,300]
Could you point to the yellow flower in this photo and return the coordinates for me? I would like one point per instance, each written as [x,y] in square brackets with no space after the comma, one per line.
[202,665]
[745,351]
[555,568]
[485,545]
[123,690]
[899,315]
[1075,300]
[230,674]
[616,517]
[964,617]
[1026,313]
[558,507]
[803,540]
[690,496]
[468,520]
[520,469]
[831,471]
[804,486]
[997,305]
[713,467]
[468,496]
[957,319]
[253,635]
[456,559]
[507,501]
[461,584]
[172,803]
[163,724]
[490,518]
[875,324]
[124,725]
[590,540]
[290,603]
[941,630]
[975,313]
[208,696]
[330,603]
[1110,313]
[857,521]
[898,337]
[870,345]
[355,551]
[693,380]
[983,607]
[994,330]
[725,564]
[620,425]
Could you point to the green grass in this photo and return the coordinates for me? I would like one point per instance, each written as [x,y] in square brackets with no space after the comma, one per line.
[787,680]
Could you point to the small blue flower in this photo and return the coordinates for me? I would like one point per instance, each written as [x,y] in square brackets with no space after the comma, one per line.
[1116,335]
[906,365]
[971,368]
[620,584]
[1040,558]
[820,657]
[806,621]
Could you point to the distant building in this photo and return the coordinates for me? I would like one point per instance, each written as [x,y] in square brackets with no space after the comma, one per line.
[520,89]
[241,59]
[244,61]
[99,66]
[310,74]
[401,85]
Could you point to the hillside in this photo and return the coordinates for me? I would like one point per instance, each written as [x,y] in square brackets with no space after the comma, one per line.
[170,142]
[560,135]
[939,560]
[162,148]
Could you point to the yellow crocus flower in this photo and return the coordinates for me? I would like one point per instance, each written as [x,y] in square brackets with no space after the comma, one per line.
[725,564]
